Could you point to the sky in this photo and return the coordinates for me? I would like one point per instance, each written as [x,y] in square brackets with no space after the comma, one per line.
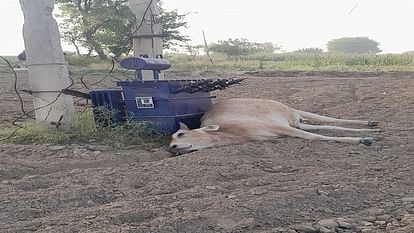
[292,24]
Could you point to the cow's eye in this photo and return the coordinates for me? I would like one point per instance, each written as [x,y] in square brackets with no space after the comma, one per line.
[180,135]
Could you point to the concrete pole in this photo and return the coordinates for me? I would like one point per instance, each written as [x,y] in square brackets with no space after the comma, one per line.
[148,38]
[48,71]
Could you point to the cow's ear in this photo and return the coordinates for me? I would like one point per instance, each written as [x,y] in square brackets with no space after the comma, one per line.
[183,126]
[210,128]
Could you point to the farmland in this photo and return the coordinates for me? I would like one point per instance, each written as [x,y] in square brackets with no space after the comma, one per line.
[277,186]
[299,62]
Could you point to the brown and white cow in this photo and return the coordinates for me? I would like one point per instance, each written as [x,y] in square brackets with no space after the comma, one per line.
[238,121]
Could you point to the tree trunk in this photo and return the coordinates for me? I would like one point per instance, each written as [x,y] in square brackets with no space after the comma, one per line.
[90,50]
[76,47]
[100,52]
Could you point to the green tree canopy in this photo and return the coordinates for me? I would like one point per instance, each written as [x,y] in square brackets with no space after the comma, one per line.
[105,26]
[353,45]
[242,47]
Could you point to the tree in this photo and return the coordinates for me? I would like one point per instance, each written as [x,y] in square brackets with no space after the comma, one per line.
[241,47]
[353,45]
[172,21]
[104,26]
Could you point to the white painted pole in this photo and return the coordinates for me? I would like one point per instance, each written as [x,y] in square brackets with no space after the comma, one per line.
[148,38]
[48,71]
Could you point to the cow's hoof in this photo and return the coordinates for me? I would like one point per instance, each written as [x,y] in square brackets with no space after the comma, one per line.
[373,123]
[367,141]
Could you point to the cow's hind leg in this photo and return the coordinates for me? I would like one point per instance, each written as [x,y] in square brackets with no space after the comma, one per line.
[312,117]
[329,127]
[293,132]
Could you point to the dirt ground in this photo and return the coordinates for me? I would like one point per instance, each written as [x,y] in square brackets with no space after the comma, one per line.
[284,185]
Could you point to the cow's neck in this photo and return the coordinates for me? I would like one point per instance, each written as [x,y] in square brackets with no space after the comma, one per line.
[224,138]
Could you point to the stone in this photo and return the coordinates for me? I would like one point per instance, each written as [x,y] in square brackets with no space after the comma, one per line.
[408,199]
[407,219]
[258,191]
[305,228]
[375,211]
[368,218]
[326,230]
[322,193]
[5,182]
[365,223]
[380,223]
[367,230]
[57,148]
[384,217]
[328,223]
[345,225]
[391,227]
[329,211]
[231,196]
[98,148]
[291,231]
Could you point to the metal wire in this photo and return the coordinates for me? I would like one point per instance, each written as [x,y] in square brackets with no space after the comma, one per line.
[27,113]
[139,26]
[57,124]
[109,74]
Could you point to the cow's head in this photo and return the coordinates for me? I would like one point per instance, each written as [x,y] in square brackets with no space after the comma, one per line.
[186,140]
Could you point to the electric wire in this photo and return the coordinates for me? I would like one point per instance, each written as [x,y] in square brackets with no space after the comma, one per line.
[87,86]
[136,29]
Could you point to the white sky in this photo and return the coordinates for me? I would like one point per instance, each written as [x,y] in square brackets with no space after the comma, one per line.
[292,24]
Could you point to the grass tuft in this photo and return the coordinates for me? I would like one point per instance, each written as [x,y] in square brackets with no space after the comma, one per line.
[127,135]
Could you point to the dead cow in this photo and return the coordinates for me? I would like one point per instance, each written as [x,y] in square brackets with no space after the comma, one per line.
[238,121]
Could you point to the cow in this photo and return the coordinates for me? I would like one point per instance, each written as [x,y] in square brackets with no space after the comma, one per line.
[242,120]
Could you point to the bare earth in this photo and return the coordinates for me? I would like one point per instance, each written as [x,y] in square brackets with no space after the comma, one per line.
[285,185]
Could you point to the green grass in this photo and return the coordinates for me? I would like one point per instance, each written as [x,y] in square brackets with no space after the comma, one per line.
[128,135]
[282,61]
[297,62]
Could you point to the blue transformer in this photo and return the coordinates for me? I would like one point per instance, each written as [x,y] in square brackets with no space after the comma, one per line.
[110,99]
[155,102]
[161,103]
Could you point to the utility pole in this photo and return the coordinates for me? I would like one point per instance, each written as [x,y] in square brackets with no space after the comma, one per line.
[48,72]
[147,39]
